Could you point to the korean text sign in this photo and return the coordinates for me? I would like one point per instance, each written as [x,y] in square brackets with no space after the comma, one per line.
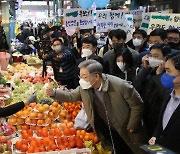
[165,21]
[78,17]
[110,19]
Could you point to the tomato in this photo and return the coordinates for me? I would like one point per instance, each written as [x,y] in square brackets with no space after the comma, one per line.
[52,132]
[62,147]
[18,145]
[39,142]
[53,147]
[57,132]
[46,141]
[33,143]
[59,141]
[44,133]
[66,131]
[72,131]
[39,132]
[25,127]
[30,149]
[25,136]
[30,132]
[42,149]
[24,148]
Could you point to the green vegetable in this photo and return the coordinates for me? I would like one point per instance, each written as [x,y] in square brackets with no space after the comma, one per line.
[2,81]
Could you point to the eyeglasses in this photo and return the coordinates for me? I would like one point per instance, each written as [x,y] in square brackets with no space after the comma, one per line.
[83,77]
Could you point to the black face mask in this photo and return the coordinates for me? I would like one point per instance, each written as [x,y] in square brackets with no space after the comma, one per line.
[174,45]
[118,46]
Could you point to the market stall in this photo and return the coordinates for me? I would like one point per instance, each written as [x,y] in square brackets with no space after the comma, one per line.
[44,126]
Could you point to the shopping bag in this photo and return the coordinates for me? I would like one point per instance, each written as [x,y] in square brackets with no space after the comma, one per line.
[81,120]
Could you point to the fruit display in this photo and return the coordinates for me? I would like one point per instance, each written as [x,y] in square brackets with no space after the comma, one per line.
[33,60]
[5,145]
[70,110]
[6,129]
[26,88]
[44,126]
[53,138]
[35,115]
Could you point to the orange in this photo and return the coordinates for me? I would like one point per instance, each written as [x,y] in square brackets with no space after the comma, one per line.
[28,120]
[34,121]
[53,125]
[29,108]
[46,107]
[19,114]
[40,115]
[83,132]
[32,115]
[55,110]
[20,121]
[41,109]
[55,104]
[48,121]
[19,127]
[26,113]
[40,122]
[12,121]
[51,115]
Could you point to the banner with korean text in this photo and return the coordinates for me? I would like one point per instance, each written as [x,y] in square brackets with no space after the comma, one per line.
[110,19]
[165,21]
[78,17]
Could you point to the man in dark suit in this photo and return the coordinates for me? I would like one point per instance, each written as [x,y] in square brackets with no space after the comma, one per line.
[167,132]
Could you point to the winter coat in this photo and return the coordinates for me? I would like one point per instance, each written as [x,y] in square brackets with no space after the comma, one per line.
[124,108]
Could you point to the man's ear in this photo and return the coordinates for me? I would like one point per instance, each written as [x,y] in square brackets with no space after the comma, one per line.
[97,76]
[165,41]
[94,49]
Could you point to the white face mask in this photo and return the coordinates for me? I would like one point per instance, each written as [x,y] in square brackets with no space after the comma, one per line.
[32,42]
[121,66]
[97,36]
[153,62]
[150,45]
[57,48]
[86,53]
[84,84]
[137,42]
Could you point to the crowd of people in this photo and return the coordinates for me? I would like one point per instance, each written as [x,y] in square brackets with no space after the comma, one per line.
[130,90]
